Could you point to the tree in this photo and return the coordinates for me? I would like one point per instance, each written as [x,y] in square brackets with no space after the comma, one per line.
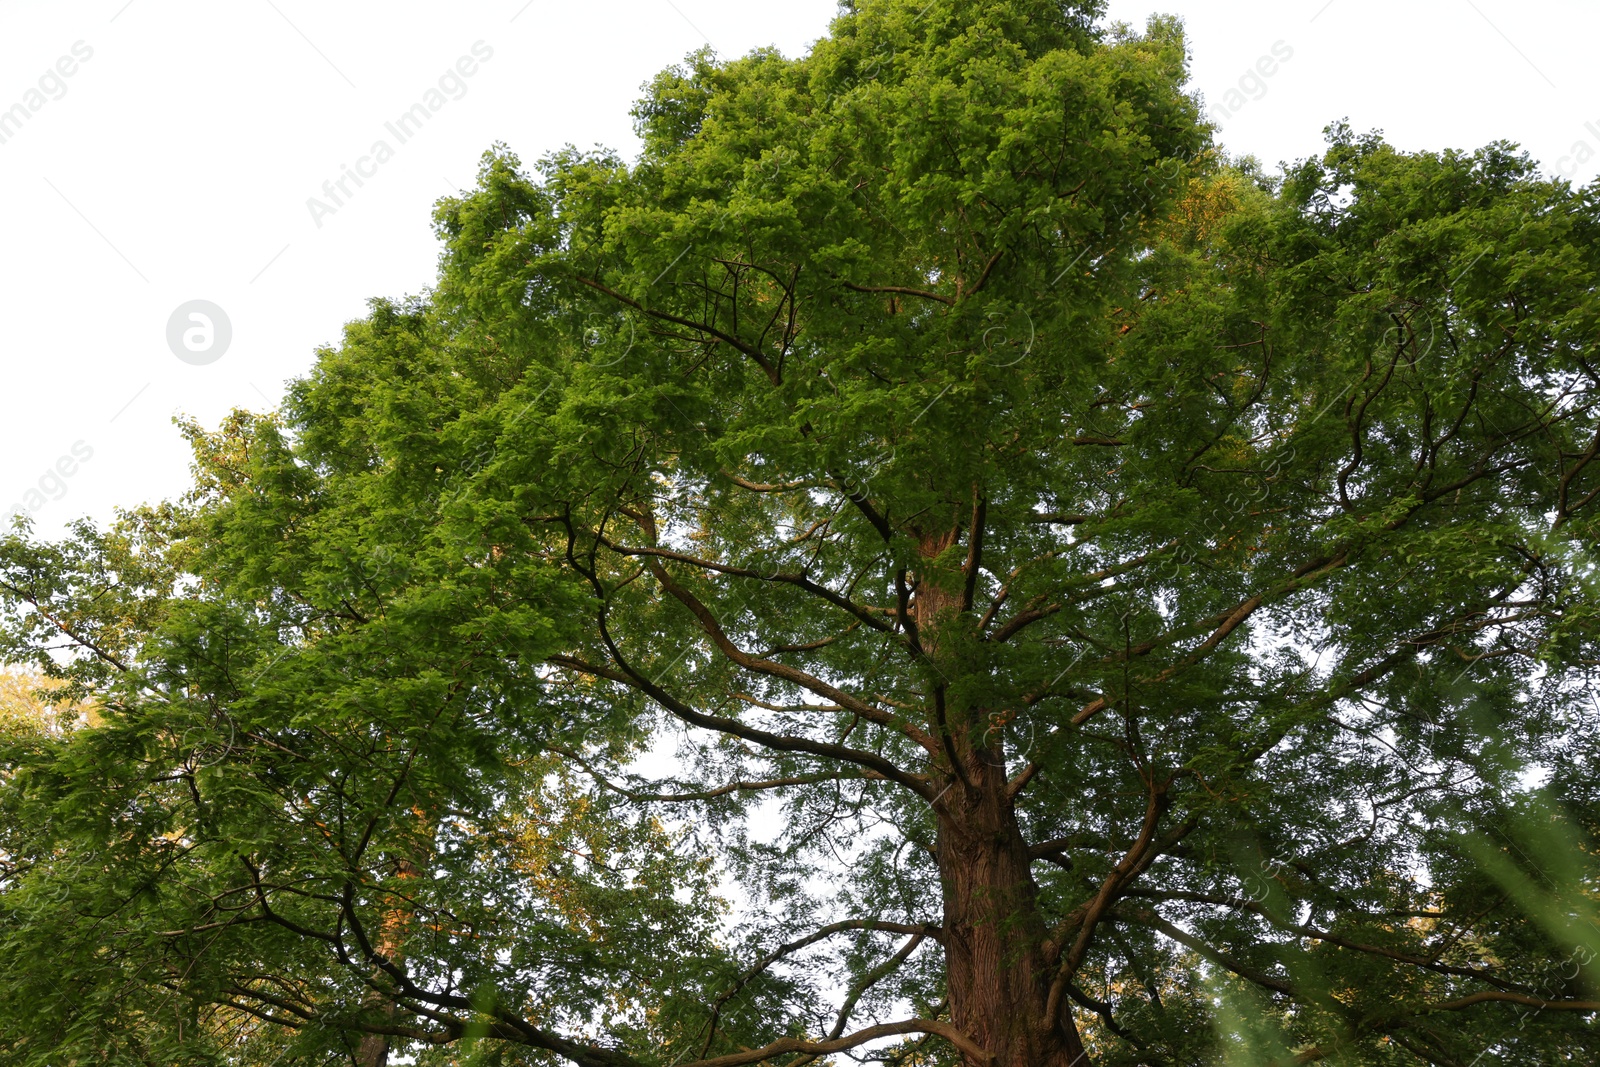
[1103,605]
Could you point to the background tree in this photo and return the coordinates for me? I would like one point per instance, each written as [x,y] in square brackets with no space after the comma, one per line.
[1102,605]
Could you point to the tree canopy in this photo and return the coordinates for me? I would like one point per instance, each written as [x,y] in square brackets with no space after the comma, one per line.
[932,561]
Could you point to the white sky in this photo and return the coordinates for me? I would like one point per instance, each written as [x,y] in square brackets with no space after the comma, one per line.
[178,161]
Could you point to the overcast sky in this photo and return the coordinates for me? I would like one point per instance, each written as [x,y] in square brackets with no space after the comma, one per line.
[170,147]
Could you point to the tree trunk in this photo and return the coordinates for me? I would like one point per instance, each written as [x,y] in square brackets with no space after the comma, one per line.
[999,977]
[994,937]
[373,1051]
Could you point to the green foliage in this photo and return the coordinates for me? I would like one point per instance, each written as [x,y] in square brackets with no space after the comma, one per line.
[613,655]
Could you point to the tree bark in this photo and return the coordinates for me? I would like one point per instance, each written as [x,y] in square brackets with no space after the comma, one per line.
[373,1051]
[998,972]
[999,977]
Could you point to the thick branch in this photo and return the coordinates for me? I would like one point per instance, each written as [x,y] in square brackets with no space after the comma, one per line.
[789,949]
[632,678]
[900,290]
[747,349]
[774,669]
